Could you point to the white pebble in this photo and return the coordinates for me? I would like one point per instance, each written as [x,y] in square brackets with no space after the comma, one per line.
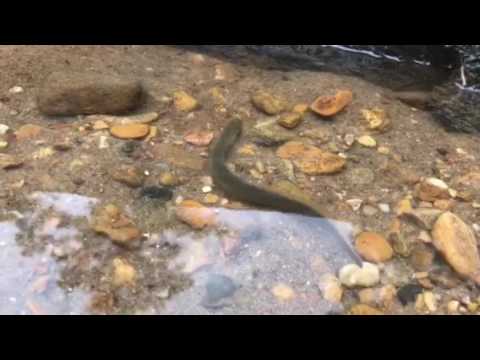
[3,129]
[385,208]
[103,142]
[16,90]
[179,200]
[437,183]
[207,189]
[355,204]
[354,276]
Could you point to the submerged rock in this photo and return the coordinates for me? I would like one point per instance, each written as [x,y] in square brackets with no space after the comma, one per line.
[457,243]
[373,247]
[119,228]
[76,93]
[310,159]
[328,106]
[268,103]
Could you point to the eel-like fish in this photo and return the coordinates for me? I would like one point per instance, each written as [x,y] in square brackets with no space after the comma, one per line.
[243,191]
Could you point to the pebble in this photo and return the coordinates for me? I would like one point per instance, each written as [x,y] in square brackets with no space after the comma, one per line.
[283,293]
[376,119]
[444,278]
[387,296]
[399,174]
[373,247]
[101,122]
[225,72]
[367,296]
[472,307]
[218,288]
[16,90]
[3,144]
[185,102]
[385,208]
[100,125]
[383,150]
[130,131]
[168,179]
[157,193]
[424,218]
[430,301]
[124,274]
[9,162]
[432,189]
[300,108]
[103,142]
[291,120]
[3,129]
[218,97]
[365,310]
[311,160]
[367,141]
[457,243]
[444,205]
[129,175]
[328,106]
[198,59]
[408,294]
[422,258]
[120,229]
[453,307]
[354,276]
[28,132]
[355,204]
[207,189]
[206,180]
[195,214]
[331,289]
[349,139]
[404,207]
[269,133]
[384,297]
[129,147]
[152,134]
[199,138]
[469,182]
[247,150]
[211,199]
[43,153]
[268,103]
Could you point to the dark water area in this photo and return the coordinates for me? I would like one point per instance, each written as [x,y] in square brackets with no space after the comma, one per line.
[396,67]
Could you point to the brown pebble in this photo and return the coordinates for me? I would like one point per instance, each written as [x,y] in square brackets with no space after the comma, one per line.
[328,106]
[129,175]
[365,310]
[130,131]
[373,247]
